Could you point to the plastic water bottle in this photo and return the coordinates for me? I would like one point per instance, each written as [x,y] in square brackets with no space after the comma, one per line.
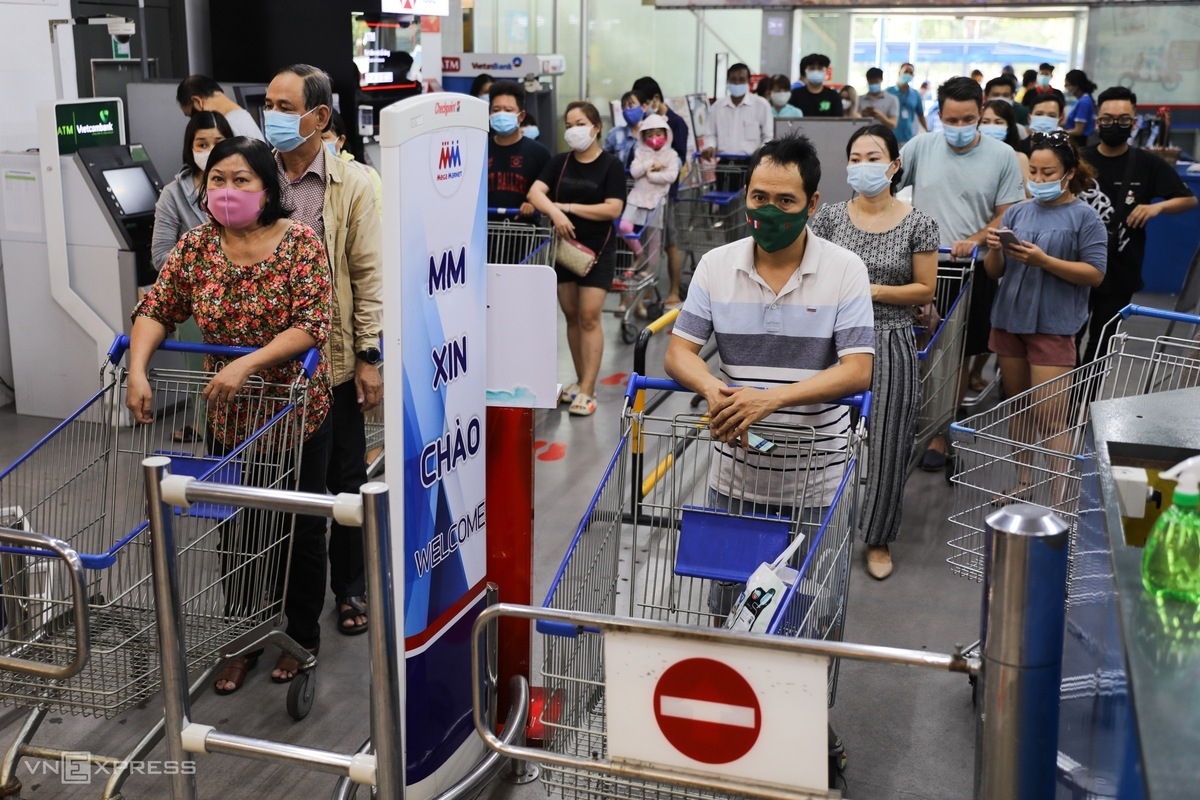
[1171,558]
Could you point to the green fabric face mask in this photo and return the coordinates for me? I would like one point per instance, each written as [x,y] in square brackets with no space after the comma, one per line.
[773,228]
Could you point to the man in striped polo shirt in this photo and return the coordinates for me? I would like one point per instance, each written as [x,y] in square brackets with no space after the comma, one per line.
[792,317]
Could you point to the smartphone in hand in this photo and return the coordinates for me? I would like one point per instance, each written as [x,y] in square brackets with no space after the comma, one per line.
[1008,238]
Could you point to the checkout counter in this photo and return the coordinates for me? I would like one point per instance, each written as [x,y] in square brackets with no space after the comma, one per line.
[76,217]
[1129,721]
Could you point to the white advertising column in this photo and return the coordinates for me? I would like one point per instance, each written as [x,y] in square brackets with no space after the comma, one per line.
[434,159]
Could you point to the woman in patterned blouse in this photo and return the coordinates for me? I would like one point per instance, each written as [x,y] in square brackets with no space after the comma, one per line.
[251,277]
[899,245]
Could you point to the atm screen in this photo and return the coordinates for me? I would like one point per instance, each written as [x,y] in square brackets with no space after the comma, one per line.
[132,189]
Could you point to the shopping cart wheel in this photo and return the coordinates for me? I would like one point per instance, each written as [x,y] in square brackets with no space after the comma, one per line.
[629,332]
[300,694]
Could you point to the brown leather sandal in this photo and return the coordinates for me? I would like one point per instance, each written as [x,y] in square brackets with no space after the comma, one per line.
[235,672]
[285,663]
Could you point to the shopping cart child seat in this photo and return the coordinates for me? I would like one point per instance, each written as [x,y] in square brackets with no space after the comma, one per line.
[720,546]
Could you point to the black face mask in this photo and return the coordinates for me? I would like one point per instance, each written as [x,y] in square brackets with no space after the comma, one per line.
[1114,135]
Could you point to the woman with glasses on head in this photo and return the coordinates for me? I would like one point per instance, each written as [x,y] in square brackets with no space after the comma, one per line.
[1048,254]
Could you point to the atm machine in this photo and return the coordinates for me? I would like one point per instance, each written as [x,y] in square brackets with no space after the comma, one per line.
[76,217]
[459,70]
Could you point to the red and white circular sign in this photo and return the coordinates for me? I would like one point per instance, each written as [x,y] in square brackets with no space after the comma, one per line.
[707,711]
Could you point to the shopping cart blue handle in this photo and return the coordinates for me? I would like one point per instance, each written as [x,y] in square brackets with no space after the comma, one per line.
[719,155]
[120,345]
[946,251]
[1134,310]
[638,383]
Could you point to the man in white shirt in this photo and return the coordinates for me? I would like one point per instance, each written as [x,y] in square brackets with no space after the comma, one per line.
[740,122]
[202,93]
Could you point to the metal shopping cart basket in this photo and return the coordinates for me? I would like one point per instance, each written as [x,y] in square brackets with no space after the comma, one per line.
[684,538]
[1027,448]
[711,208]
[639,257]
[82,483]
[940,342]
[512,239]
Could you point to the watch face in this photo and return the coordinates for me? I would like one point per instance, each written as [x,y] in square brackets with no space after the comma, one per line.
[370,355]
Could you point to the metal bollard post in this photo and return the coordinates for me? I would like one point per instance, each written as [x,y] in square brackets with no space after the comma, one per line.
[176,699]
[386,647]
[1017,728]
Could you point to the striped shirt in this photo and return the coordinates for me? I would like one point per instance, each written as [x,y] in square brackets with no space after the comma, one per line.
[822,314]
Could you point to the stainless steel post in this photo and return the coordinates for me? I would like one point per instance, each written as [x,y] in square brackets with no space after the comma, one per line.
[177,704]
[1017,728]
[386,642]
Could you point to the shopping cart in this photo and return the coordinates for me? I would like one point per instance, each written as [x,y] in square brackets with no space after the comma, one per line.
[1027,448]
[711,208]
[684,542]
[512,239]
[940,342]
[82,482]
[639,258]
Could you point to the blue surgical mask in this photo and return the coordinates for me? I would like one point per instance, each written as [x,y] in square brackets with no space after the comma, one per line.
[868,178]
[874,88]
[332,148]
[738,89]
[283,130]
[815,76]
[906,78]
[633,115]
[503,122]
[1043,80]
[530,132]
[959,135]
[1043,124]
[999,132]
[1045,192]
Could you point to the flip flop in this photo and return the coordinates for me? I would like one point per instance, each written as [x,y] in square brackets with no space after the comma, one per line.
[187,434]
[285,663]
[235,672]
[355,607]
[582,406]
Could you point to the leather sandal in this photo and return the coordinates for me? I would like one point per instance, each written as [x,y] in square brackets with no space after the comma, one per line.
[235,672]
[350,609]
[285,663]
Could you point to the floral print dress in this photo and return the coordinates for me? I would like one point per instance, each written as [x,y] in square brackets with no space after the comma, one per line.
[248,305]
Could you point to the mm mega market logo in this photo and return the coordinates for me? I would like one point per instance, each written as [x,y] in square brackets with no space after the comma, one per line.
[447,162]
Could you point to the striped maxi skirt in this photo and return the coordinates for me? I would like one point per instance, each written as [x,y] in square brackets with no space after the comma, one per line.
[895,396]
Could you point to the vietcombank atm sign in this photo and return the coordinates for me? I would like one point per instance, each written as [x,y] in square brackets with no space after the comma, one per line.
[94,124]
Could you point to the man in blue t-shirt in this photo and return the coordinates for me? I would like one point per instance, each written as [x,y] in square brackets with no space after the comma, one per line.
[912,109]
[649,88]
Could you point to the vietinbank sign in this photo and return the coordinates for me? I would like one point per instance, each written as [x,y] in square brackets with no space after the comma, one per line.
[434,159]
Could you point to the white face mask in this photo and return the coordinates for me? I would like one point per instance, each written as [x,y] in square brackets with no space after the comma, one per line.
[579,137]
[780,99]
[201,158]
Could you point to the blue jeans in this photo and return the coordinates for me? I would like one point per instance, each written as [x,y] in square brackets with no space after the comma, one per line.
[722,594]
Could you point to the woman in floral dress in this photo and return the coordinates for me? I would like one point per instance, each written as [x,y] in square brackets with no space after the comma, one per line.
[250,277]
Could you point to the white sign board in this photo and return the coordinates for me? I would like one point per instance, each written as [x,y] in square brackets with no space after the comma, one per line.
[522,335]
[437,8]
[700,707]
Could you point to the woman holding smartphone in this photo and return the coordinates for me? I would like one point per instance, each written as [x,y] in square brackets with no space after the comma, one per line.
[1050,252]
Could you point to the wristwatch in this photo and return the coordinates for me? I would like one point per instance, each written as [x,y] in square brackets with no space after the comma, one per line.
[369,356]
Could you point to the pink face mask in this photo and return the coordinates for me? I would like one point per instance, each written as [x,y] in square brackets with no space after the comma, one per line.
[656,142]
[233,208]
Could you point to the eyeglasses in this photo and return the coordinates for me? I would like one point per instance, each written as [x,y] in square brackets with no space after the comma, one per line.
[1106,122]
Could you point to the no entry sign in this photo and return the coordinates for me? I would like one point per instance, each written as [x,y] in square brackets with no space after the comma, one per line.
[716,708]
[707,710]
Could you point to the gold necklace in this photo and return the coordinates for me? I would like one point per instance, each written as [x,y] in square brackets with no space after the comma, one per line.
[878,217]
